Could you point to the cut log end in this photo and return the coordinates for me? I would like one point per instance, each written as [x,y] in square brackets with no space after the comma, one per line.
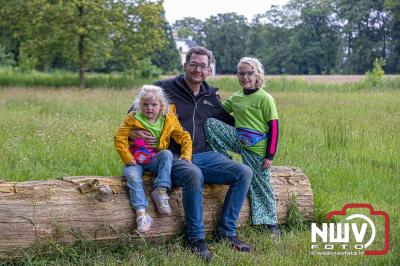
[98,208]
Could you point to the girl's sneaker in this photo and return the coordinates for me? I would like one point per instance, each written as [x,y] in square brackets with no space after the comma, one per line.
[143,222]
[160,198]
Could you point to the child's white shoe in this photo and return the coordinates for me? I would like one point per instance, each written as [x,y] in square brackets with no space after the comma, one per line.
[143,222]
[161,198]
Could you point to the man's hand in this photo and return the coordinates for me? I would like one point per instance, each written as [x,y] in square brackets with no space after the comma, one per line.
[143,134]
[266,164]
[132,162]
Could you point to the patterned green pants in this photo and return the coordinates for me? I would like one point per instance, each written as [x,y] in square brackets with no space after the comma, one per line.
[222,138]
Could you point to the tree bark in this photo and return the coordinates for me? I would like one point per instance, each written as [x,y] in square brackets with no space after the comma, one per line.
[97,208]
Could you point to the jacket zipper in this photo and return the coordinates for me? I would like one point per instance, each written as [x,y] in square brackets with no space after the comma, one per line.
[195,108]
[194,113]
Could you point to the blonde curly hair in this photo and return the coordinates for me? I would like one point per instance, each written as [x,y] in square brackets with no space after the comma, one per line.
[151,91]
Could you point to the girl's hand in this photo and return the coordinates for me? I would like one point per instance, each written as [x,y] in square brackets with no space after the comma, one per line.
[132,162]
[266,164]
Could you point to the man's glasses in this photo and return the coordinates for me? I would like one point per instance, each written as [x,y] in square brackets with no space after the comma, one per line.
[246,74]
[194,66]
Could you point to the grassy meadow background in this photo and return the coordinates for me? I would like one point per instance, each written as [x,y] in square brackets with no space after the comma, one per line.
[345,137]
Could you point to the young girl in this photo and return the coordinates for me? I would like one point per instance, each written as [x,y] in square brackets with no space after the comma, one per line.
[255,138]
[150,113]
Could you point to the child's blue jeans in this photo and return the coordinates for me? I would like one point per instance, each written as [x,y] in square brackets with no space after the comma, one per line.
[160,165]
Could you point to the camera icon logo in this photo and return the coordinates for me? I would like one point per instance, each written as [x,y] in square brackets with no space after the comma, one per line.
[350,237]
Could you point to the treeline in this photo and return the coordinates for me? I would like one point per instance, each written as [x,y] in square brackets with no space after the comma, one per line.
[85,35]
[302,37]
[305,37]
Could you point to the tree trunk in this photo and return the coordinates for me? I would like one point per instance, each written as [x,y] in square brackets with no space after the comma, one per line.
[97,208]
[81,61]
[81,51]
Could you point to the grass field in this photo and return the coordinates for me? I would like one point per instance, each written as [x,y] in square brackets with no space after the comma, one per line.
[347,142]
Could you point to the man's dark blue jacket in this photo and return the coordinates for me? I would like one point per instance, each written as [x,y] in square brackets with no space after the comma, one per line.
[193,111]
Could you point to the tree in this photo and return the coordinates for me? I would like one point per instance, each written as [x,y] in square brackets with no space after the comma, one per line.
[167,58]
[270,45]
[272,40]
[365,28]
[88,26]
[317,35]
[226,36]
[88,32]
[141,33]
[126,30]
[33,26]
[190,27]
[304,36]
[393,56]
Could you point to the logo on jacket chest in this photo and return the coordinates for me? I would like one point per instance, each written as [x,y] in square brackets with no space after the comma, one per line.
[205,102]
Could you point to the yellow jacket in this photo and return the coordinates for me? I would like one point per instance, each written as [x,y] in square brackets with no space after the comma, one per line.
[172,129]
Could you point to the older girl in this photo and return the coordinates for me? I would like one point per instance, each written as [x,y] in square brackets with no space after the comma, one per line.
[255,138]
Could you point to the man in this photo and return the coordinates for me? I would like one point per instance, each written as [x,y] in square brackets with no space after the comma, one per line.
[196,101]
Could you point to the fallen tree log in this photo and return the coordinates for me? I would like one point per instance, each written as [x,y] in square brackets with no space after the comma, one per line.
[97,208]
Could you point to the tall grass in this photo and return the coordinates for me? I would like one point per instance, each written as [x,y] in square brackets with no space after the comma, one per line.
[284,84]
[347,143]
[10,77]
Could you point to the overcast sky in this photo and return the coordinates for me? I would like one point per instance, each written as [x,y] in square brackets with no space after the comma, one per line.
[202,9]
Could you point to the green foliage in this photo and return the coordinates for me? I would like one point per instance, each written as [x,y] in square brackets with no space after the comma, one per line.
[375,76]
[167,58]
[27,78]
[320,42]
[291,84]
[366,26]
[88,34]
[144,69]
[226,35]
[301,37]
[190,26]
[141,33]
[393,61]
[295,219]
[5,57]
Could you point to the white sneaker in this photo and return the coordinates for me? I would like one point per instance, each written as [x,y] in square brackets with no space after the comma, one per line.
[160,198]
[143,222]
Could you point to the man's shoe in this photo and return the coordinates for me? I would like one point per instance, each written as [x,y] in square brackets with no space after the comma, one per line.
[235,243]
[160,198]
[199,248]
[275,232]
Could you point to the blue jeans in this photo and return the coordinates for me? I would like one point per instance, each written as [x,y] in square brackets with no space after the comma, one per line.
[210,168]
[160,165]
